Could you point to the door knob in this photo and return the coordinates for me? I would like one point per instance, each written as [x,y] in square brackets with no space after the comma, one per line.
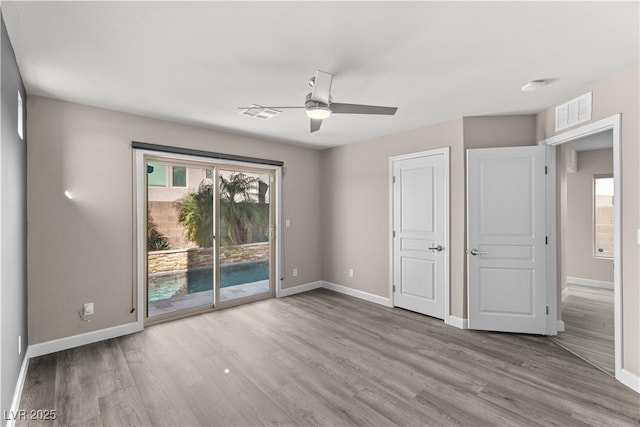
[436,248]
[477,252]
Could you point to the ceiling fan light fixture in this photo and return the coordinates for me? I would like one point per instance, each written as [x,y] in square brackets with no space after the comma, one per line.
[318,112]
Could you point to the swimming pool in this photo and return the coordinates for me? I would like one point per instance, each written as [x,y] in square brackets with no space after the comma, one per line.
[164,286]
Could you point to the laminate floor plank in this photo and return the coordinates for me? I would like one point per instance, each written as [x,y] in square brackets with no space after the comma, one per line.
[123,407]
[323,359]
[38,390]
[588,316]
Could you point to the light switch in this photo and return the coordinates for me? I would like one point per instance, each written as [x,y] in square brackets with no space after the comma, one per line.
[287,223]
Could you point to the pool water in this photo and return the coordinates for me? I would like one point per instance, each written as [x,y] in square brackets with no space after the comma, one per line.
[164,286]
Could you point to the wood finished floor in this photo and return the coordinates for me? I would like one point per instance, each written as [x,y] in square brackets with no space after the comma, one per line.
[588,320]
[322,358]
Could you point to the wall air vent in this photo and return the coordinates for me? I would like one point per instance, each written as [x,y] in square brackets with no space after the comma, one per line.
[576,111]
[258,112]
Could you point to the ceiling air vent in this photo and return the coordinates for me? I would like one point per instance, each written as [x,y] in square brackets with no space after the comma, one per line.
[576,111]
[258,112]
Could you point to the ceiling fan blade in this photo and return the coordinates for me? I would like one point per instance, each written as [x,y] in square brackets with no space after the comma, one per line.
[321,87]
[338,108]
[260,106]
[315,124]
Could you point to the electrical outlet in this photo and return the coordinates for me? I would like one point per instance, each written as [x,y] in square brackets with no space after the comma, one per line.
[19,345]
[88,309]
[351,272]
[287,223]
[295,272]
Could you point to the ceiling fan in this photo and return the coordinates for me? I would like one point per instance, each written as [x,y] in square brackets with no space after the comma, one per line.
[318,104]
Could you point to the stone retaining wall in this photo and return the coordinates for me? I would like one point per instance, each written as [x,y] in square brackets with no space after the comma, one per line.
[183,259]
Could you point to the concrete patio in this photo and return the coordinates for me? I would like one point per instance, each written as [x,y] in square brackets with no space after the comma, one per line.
[204,298]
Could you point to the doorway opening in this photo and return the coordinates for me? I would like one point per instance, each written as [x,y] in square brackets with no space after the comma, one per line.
[587,285]
[210,234]
[588,267]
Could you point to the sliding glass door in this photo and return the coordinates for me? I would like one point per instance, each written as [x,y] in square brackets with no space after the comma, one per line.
[245,230]
[180,231]
[209,236]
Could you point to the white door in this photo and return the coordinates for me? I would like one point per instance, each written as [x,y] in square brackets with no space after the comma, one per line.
[506,239]
[419,232]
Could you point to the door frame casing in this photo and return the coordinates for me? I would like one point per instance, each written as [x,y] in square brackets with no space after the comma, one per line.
[612,123]
[446,182]
[139,206]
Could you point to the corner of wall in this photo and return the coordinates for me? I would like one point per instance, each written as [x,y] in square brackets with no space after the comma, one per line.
[13,232]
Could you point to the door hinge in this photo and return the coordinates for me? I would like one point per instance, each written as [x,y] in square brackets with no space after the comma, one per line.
[547,310]
[394,179]
[394,234]
[546,170]
[394,288]
[546,240]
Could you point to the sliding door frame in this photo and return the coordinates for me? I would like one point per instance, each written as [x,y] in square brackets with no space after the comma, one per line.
[140,218]
[273,226]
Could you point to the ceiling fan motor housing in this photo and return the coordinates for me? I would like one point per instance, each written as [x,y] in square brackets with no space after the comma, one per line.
[308,103]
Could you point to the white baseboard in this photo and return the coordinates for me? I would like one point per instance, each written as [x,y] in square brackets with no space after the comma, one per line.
[300,288]
[560,325]
[358,294]
[17,394]
[589,282]
[457,322]
[53,346]
[629,379]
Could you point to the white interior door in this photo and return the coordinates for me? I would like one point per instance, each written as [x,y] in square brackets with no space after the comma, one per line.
[506,239]
[419,233]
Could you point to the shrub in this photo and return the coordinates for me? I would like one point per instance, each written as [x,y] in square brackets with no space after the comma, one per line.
[155,240]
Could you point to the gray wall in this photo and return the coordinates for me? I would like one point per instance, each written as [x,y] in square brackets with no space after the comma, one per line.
[355,198]
[355,208]
[13,230]
[618,94]
[350,218]
[81,250]
[580,260]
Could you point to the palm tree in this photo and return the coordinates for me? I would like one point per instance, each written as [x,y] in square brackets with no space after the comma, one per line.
[240,212]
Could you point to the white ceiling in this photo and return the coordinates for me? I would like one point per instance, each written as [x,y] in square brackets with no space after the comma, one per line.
[195,62]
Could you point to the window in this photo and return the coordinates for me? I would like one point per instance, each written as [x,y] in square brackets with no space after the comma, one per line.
[158,175]
[179,176]
[603,216]
[20,117]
